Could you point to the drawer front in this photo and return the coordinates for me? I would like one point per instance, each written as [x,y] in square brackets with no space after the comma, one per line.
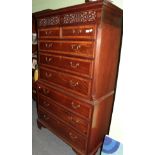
[79,124]
[76,48]
[49,33]
[86,31]
[72,83]
[75,65]
[50,121]
[71,103]
[63,130]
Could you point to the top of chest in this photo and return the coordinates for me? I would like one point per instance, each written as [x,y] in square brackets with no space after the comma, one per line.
[87,13]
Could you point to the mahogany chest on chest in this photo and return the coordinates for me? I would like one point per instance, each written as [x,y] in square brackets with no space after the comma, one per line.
[79,51]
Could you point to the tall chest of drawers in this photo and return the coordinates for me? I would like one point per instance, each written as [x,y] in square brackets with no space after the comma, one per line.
[79,51]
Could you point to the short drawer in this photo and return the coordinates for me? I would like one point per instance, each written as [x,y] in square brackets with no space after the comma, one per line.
[71,83]
[84,32]
[70,135]
[74,65]
[80,124]
[75,48]
[79,107]
[49,33]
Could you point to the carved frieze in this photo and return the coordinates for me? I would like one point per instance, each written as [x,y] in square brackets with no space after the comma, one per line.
[54,20]
[71,18]
[79,17]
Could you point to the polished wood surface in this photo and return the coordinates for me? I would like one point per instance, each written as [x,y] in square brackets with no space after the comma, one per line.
[80,124]
[72,104]
[49,33]
[69,82]
[77,66]
[65,132]
[79,53]
[35,47]
[84,31]
[70,48]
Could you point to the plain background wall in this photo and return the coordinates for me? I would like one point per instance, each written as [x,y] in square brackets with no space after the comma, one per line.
[38,5]
[116,124]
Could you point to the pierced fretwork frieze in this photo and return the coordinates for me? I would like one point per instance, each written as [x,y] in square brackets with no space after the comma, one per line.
[71,18]
[79,17]
[55,20]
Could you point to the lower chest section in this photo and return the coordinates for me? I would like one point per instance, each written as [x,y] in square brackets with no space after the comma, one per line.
[67,117]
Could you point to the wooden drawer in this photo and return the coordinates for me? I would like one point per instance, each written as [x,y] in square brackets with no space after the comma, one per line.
[81,108]
[76,48]
[74,65]
[69,134]
[75,139]
[50,121]
[49,33]
[78,123]
[71,83]
[84,32]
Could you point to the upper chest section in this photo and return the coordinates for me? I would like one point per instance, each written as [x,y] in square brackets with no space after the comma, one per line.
[75,15]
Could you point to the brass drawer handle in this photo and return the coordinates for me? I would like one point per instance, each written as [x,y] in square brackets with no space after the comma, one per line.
[48,75]
[48,45]
[75,47]
[77,31]
[89,30]
[73,84]
[75,106]
[45,117]
[74,65]
[47,59]
[74,120]
[72,136]
[74,31]
[46,104]
[34,91]
[48,33]
[46,91]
